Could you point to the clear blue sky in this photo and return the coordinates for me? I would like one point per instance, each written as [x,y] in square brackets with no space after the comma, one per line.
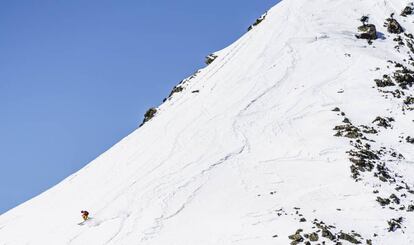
[76,76]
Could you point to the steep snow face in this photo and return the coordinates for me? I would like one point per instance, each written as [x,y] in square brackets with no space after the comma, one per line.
[246,152]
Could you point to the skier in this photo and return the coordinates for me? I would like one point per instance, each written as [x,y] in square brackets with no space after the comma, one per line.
[85,215]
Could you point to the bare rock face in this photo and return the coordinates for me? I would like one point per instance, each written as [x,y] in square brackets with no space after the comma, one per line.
[383,122]
[409,100]
[210,58]
[408,10]
[296,238]
[384,82]
[149,115]
[368,31]
[395,224]
[176,89]
[257,22]
[349,237]
[348,131]
[393,26]
[314,237]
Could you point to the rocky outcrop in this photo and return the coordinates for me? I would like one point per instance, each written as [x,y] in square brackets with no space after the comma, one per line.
[395,224]
[257,22]
[297,237]
[176,89]
[367,129]
[409,100]
[410,140]
[210,58]
[383,201]
[384,122]
[408,10]
[404,78]
[149,115]
[318,232]
[384,82]
[393,26]
[349,237]
[314,237]
[348,131]
[367,31]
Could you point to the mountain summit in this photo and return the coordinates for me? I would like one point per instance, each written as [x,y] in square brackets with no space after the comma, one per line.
[301,132]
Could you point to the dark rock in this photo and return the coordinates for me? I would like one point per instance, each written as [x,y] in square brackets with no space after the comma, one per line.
[363,159]
[348,131]
[349,238]
[393,26]
[383,201]
[176,89]
[355,172]
[327,234]
[302,220]
[362,165]
[410,45]
[409,35]
[408,10]
[149,115]
[195,91]
[368,31]
[396,93]
[383,122]
[336,109]
[257,22]
[404,80]
[296,238]
[394,224]
[210,58]
[399,40]
[383,173]
[368,130]
[410,208]
[313,237]
[395,199]
[404,77]
[384,82]
[409,100]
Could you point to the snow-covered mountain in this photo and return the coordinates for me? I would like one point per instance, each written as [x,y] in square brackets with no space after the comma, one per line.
[301,132]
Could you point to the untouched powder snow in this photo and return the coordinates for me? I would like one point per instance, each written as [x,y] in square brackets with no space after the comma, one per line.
[246,154]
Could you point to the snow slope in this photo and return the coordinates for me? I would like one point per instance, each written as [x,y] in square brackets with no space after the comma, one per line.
[244,158]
